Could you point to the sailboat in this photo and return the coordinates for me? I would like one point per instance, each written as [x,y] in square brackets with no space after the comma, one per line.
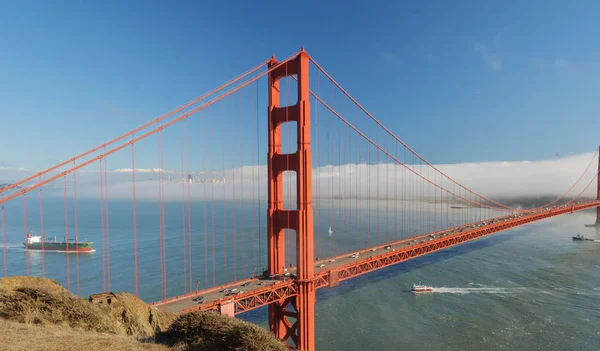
[330,231]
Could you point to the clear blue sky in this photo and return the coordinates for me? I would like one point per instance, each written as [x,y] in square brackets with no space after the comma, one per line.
[458,81]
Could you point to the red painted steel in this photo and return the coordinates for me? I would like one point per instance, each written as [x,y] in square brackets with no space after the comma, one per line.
[291,302]
[301,307]
[132,132]
[133,141]
[284,290]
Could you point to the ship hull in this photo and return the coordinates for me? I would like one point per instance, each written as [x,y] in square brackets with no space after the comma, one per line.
[421,291]
[61,247]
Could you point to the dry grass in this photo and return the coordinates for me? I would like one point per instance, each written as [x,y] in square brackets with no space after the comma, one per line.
[41,301]
[39,314]
[200,331]
[22,337]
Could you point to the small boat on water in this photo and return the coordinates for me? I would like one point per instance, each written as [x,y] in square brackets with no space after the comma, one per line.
[579,237]
[418,288]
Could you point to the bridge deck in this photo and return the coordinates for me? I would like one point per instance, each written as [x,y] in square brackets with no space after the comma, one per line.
[261,292]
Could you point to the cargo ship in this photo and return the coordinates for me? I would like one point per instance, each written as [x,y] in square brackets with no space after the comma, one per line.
[36,243]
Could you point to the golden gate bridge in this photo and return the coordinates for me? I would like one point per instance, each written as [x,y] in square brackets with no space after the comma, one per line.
[327,157]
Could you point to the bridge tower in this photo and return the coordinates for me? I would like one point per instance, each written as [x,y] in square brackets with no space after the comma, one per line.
[300,307]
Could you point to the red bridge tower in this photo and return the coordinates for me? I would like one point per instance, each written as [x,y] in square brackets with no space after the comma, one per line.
[300,308]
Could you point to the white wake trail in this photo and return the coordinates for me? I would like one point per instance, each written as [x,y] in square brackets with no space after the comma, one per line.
[492,290]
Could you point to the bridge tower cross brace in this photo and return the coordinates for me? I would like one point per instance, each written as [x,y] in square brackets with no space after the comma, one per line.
[300,307]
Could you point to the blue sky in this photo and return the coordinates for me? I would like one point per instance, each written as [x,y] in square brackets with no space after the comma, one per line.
[458,81]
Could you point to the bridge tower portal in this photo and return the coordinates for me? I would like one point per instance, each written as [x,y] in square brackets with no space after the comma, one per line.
[291,318]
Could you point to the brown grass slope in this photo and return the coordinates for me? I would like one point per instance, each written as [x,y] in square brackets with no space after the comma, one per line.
[22,337]
[34,300]
[41,315]
[206,331]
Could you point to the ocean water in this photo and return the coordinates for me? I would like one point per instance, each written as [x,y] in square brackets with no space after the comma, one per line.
[530,288]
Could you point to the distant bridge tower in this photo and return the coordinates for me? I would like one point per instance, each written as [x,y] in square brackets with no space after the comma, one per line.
[300,308]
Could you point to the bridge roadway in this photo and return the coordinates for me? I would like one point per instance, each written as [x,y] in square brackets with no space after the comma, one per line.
[257,292]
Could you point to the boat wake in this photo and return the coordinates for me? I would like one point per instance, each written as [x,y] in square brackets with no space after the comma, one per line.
[477,290]
[14,246]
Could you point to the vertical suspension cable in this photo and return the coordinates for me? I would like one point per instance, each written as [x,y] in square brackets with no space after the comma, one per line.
[377,217]
[421,197]
[223,193]
[330,189]
[427,204]
[387,205]
[258,183]
[435,204]
[453,215]
[162,217]
[205,203]
[135,251]
[395,185]
[428,213]
[340,180]
[404,196]
[162,187]
[76,230]
[333,202]
[233,185]
[447,206]
[234,219]
[346,181]
[349,165]
[254,212]
[66,235]
[106,227]
[422,200]
[242,182]
[212,198]
[42,232]
[368,198]
[189,203]
[358,188]
[102,226]
[26,234]
[183,222]
[318,236]
[413,199]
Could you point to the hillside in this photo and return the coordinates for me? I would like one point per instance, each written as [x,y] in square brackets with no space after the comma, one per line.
[39,314]
[25,337]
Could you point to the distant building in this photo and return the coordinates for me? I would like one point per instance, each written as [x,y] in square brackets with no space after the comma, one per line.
[105,298]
